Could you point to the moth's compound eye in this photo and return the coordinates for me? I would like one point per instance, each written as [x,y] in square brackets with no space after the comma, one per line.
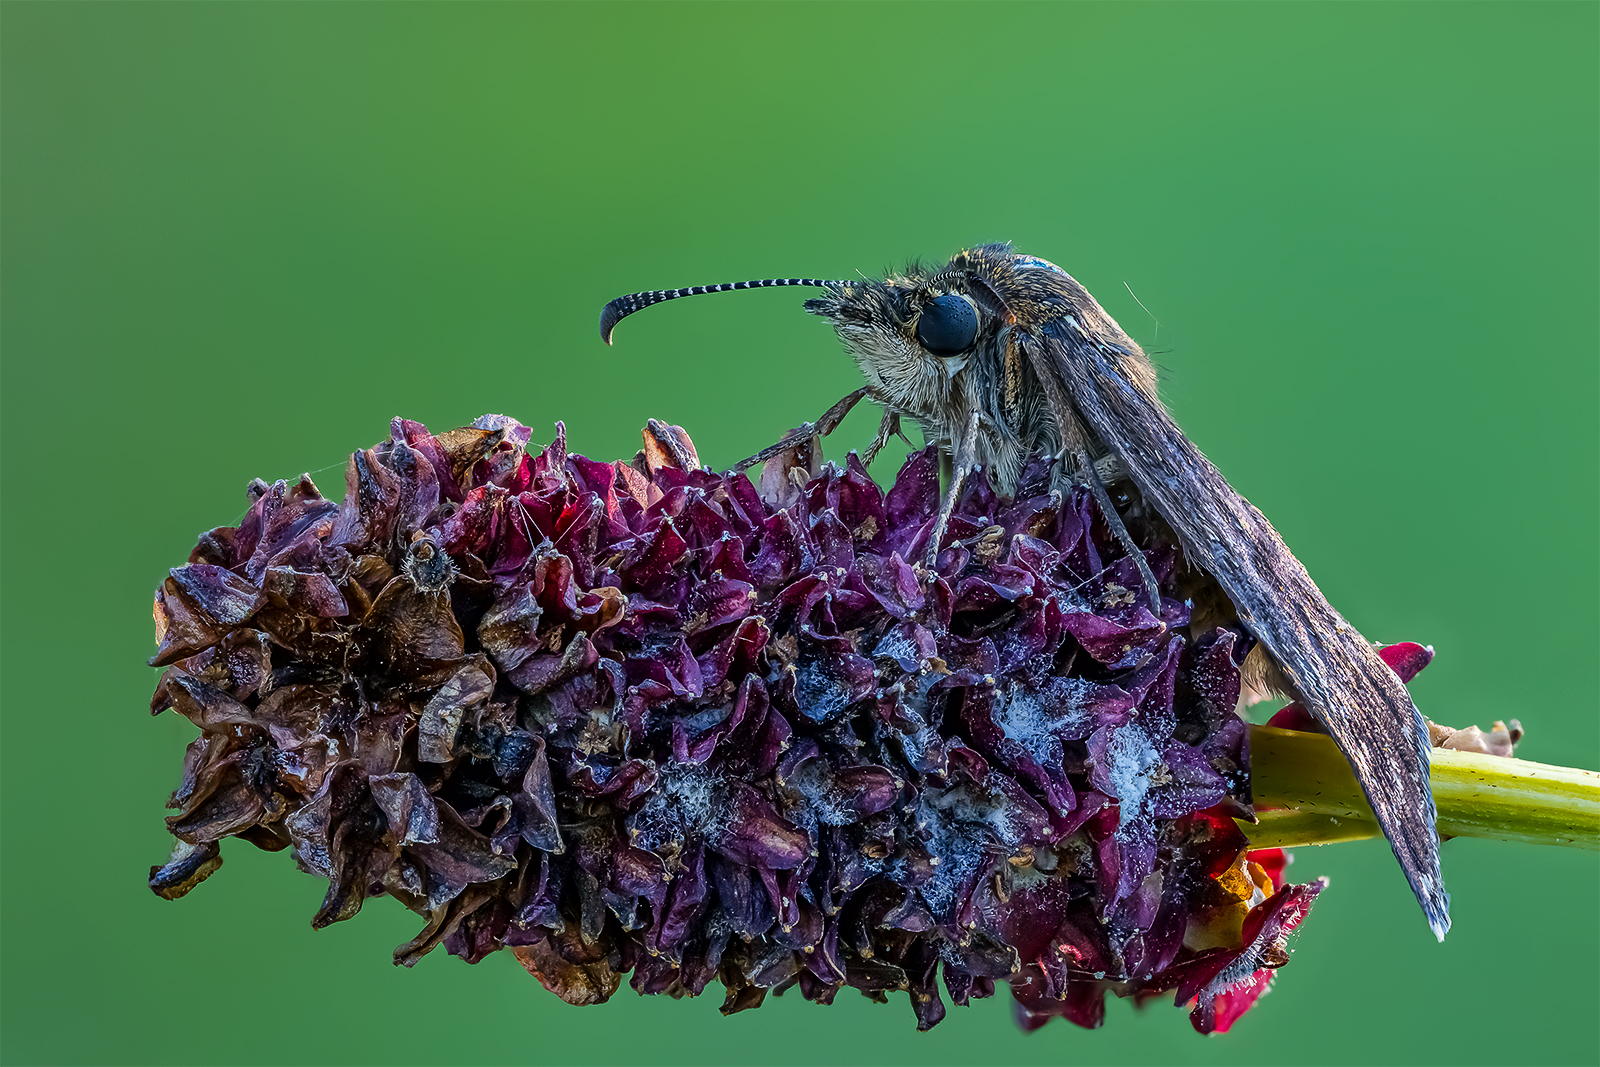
[948,325]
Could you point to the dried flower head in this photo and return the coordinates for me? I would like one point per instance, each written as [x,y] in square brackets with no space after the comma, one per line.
[647,718]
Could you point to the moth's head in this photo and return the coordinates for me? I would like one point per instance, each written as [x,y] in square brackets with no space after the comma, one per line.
[933,316]
[905,319]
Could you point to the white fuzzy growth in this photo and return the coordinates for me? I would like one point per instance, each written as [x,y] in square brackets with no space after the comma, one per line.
[820,695]
[1129,762]
[954,847]
[1233,975]
[686,804]
[819,796]
[896,645]
[1032,718]
[961,804]
[955,822]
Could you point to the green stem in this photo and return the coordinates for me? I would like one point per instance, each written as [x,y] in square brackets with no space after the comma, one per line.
[1316,799]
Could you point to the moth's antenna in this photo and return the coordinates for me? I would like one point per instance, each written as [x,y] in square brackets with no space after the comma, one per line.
[1147,311]
[623,306]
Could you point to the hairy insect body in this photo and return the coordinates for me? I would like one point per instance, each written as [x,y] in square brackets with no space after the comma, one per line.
[999,357]
[942,393]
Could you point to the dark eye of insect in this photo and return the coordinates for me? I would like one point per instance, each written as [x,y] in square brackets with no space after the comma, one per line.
[948,325]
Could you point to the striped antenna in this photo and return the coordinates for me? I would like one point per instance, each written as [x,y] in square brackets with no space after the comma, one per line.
[623,306]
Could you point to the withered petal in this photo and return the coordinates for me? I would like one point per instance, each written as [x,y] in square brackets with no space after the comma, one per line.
[190,865]
[578,982]
[468,688]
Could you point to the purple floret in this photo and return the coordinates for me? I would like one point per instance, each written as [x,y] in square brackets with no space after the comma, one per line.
[644,718]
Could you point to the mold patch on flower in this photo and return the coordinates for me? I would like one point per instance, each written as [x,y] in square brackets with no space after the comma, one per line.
[641,719]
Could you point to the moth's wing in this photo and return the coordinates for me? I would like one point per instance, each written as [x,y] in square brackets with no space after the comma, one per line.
[1362,703]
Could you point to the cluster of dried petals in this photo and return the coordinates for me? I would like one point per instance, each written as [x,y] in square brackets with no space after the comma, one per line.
[647,718]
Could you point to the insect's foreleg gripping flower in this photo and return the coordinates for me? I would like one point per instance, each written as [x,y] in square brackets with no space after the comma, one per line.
[647,719]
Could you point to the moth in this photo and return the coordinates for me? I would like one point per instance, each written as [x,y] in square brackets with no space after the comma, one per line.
[1000,357]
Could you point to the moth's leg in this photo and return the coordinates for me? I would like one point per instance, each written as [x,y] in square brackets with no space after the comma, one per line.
[1091,476]
[829,422]
[961,466]
[889,427]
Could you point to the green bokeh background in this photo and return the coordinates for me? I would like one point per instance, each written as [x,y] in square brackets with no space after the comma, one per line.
[239,238]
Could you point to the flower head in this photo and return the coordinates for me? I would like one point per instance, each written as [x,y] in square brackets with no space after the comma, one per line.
[645,718]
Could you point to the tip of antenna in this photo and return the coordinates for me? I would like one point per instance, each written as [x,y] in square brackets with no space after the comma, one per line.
[610,315]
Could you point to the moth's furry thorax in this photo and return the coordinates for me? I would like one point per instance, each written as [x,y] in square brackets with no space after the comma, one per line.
[1014,296]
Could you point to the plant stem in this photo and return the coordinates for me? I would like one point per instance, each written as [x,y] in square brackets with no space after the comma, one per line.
[1315,799]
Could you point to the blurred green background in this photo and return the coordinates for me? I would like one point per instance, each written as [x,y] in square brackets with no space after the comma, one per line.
[239,238]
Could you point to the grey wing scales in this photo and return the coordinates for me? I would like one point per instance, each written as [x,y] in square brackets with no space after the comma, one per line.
[1341,679]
